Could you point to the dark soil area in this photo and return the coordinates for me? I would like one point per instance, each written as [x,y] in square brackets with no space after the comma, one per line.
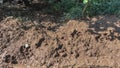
[94,43]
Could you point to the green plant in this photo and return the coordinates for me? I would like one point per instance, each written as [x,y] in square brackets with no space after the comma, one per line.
[74,13]
[73,9]
[98,7]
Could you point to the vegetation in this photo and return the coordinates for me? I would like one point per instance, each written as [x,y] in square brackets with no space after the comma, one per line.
[72,9]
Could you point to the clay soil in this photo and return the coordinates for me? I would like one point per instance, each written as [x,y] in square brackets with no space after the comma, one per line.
[93,43]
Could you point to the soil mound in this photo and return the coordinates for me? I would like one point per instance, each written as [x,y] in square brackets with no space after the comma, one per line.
[77,44]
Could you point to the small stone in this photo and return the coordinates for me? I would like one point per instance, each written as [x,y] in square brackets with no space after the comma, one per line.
[26,45]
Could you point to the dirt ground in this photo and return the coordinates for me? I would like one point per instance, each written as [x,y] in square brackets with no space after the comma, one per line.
[93,43]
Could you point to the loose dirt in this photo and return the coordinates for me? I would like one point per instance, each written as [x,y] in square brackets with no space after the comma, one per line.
[94,43]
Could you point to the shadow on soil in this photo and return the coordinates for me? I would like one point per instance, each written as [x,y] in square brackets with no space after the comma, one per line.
[33,13]
[105,26]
